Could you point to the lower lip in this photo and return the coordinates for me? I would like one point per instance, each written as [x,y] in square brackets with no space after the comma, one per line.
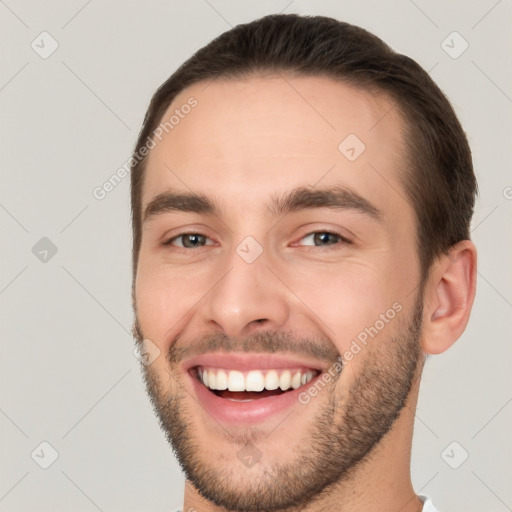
[260,409]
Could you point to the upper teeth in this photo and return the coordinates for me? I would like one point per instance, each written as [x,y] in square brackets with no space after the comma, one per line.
[254,380]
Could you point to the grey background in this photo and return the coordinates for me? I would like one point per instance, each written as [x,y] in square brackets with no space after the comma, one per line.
[68,122]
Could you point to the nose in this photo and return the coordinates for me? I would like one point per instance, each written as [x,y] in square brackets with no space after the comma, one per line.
[247,298]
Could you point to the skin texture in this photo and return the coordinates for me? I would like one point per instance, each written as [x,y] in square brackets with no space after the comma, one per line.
[245,142]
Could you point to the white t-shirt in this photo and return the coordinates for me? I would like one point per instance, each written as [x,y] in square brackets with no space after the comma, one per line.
[427,505]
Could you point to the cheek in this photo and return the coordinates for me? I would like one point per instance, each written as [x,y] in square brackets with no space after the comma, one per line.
[348,301]
[164,301]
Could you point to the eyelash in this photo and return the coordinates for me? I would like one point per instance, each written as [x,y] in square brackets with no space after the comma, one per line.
[342,240]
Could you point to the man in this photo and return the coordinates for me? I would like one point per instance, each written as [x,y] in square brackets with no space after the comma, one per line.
[301,201]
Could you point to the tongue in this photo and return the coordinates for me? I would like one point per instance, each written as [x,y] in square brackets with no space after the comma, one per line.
[248,395]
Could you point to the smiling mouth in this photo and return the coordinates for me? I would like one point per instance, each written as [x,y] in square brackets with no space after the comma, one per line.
[252,385]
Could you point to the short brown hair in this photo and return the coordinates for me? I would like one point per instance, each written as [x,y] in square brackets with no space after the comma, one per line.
[441,185]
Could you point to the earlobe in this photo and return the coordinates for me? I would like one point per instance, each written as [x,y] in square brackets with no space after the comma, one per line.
[449,295]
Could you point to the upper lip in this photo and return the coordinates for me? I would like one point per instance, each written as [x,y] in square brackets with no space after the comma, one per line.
[245,362]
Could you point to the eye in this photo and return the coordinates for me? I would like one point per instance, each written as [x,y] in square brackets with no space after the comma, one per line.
[323,238]
[189,241]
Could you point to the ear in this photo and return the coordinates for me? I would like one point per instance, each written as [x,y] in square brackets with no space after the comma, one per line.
[449,295]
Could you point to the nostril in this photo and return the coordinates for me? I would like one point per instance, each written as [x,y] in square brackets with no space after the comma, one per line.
[259,322]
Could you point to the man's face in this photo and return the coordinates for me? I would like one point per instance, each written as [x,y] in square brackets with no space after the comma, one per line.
[299,251]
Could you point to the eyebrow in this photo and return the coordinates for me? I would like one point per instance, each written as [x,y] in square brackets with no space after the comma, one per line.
[181,202]
[300,198]
[341,198]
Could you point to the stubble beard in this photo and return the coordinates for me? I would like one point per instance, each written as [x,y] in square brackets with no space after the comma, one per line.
[341,438]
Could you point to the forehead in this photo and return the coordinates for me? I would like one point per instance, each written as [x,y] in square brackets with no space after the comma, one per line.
[265,133]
